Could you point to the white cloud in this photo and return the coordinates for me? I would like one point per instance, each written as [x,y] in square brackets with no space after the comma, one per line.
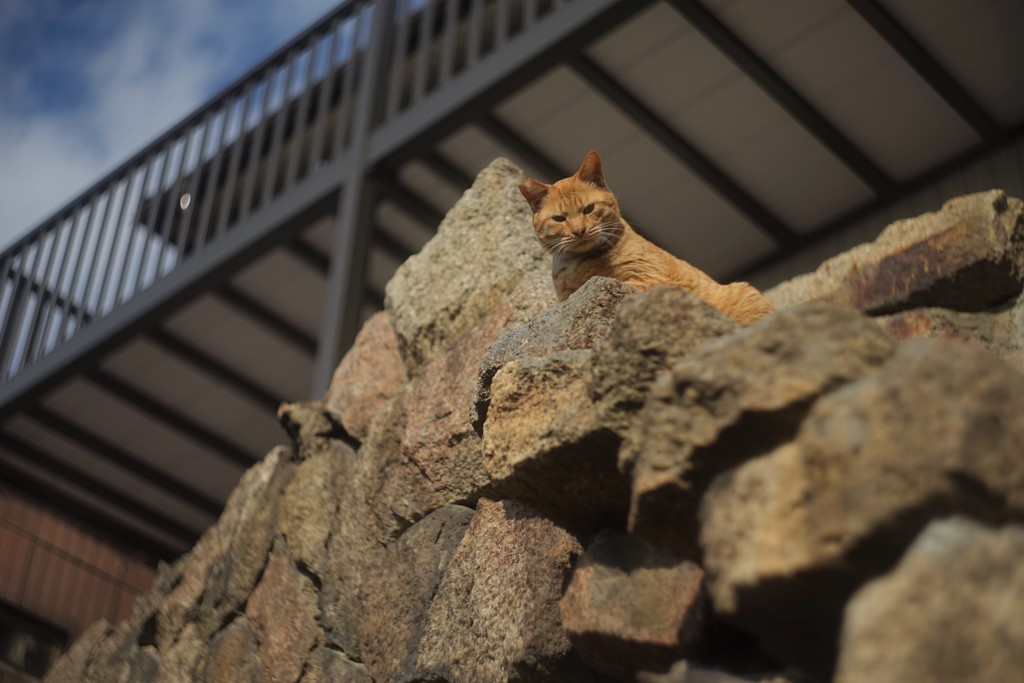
[162,62]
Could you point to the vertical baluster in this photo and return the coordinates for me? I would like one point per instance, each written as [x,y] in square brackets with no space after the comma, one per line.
[501,23]
[396,72]
[79,259]
[43,295]
[451,29]
[62,270]
[16,330]
[419,85]
[193,187]
[476,31]
[173,195]
[348,87]
[95,260]
[151,217]
[323,100]
[277,135]
[12,273]
[209,190]
[122,280]
[118,231]
[529,13]
[227,194]
[301,114]
[256,148]
[76,233]
[48,295]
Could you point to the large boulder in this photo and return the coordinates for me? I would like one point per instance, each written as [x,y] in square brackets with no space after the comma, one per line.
[733,399]
[632,608]
[495,613]
[968,256]
[788,537]
[950,611]
[370,375]
[482,249]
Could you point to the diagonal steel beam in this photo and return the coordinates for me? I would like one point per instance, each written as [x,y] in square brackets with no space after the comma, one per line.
[130,462]
[266,317]
[170,416]
[87,482]
[784,94]
[507,137]
[914,54]
[617,95]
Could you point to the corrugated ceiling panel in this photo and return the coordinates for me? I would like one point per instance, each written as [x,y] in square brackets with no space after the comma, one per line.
[434,190]
[89,406]
[979,43]
[84,460]
[191,392]
[856,80]
[730,119]
[245,346]
[288,286]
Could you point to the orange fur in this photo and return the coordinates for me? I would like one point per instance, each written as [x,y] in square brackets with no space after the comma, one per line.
[577,220]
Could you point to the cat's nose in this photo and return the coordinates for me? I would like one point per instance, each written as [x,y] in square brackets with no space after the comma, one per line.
[579,232]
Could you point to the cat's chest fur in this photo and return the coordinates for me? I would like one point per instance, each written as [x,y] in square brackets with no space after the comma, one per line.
[572,272]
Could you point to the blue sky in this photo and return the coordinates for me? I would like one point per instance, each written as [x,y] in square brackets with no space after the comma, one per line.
[84,83]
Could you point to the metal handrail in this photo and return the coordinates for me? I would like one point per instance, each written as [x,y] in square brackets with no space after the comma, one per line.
[259,136]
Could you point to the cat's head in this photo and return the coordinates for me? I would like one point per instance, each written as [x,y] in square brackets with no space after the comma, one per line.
[575,215]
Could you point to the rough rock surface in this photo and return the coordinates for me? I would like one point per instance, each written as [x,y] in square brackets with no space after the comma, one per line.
[734,399]
[573,324]
[499,596]
[937,430]
[398,599]
[632,608]
[370,549]
[968,256]
[651,331]
[544,445]
[950,611]
[370,375]
[483,248]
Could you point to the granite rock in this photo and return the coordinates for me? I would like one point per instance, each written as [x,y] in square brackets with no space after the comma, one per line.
[731,400]
[788,537]
[950,611]
[967,256]
[482,249]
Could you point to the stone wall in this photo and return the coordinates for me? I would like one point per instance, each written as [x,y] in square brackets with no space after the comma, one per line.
[628,486]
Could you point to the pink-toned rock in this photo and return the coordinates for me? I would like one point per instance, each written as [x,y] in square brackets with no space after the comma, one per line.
[370,375]
[283,612]
[495,615]
[632,608]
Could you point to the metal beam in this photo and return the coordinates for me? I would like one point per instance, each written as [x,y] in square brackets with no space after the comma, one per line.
[617,95]
[784,94]
[162,412]
[94,485]
[443,167]
[507,137]
[84,513]
[266,317]
[112,453]
[914,54]
[193,355]
[381,238]
[411,203]
[346,277]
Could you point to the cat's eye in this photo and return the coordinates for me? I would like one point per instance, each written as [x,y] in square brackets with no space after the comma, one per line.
[559,218]
[589,208]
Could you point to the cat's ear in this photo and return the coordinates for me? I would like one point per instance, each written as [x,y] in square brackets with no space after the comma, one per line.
[534,191]
[590,169]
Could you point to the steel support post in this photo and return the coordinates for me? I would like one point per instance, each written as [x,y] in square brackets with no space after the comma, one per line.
[346,273]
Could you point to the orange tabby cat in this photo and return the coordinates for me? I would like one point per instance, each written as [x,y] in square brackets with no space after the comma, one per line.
[577,220]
